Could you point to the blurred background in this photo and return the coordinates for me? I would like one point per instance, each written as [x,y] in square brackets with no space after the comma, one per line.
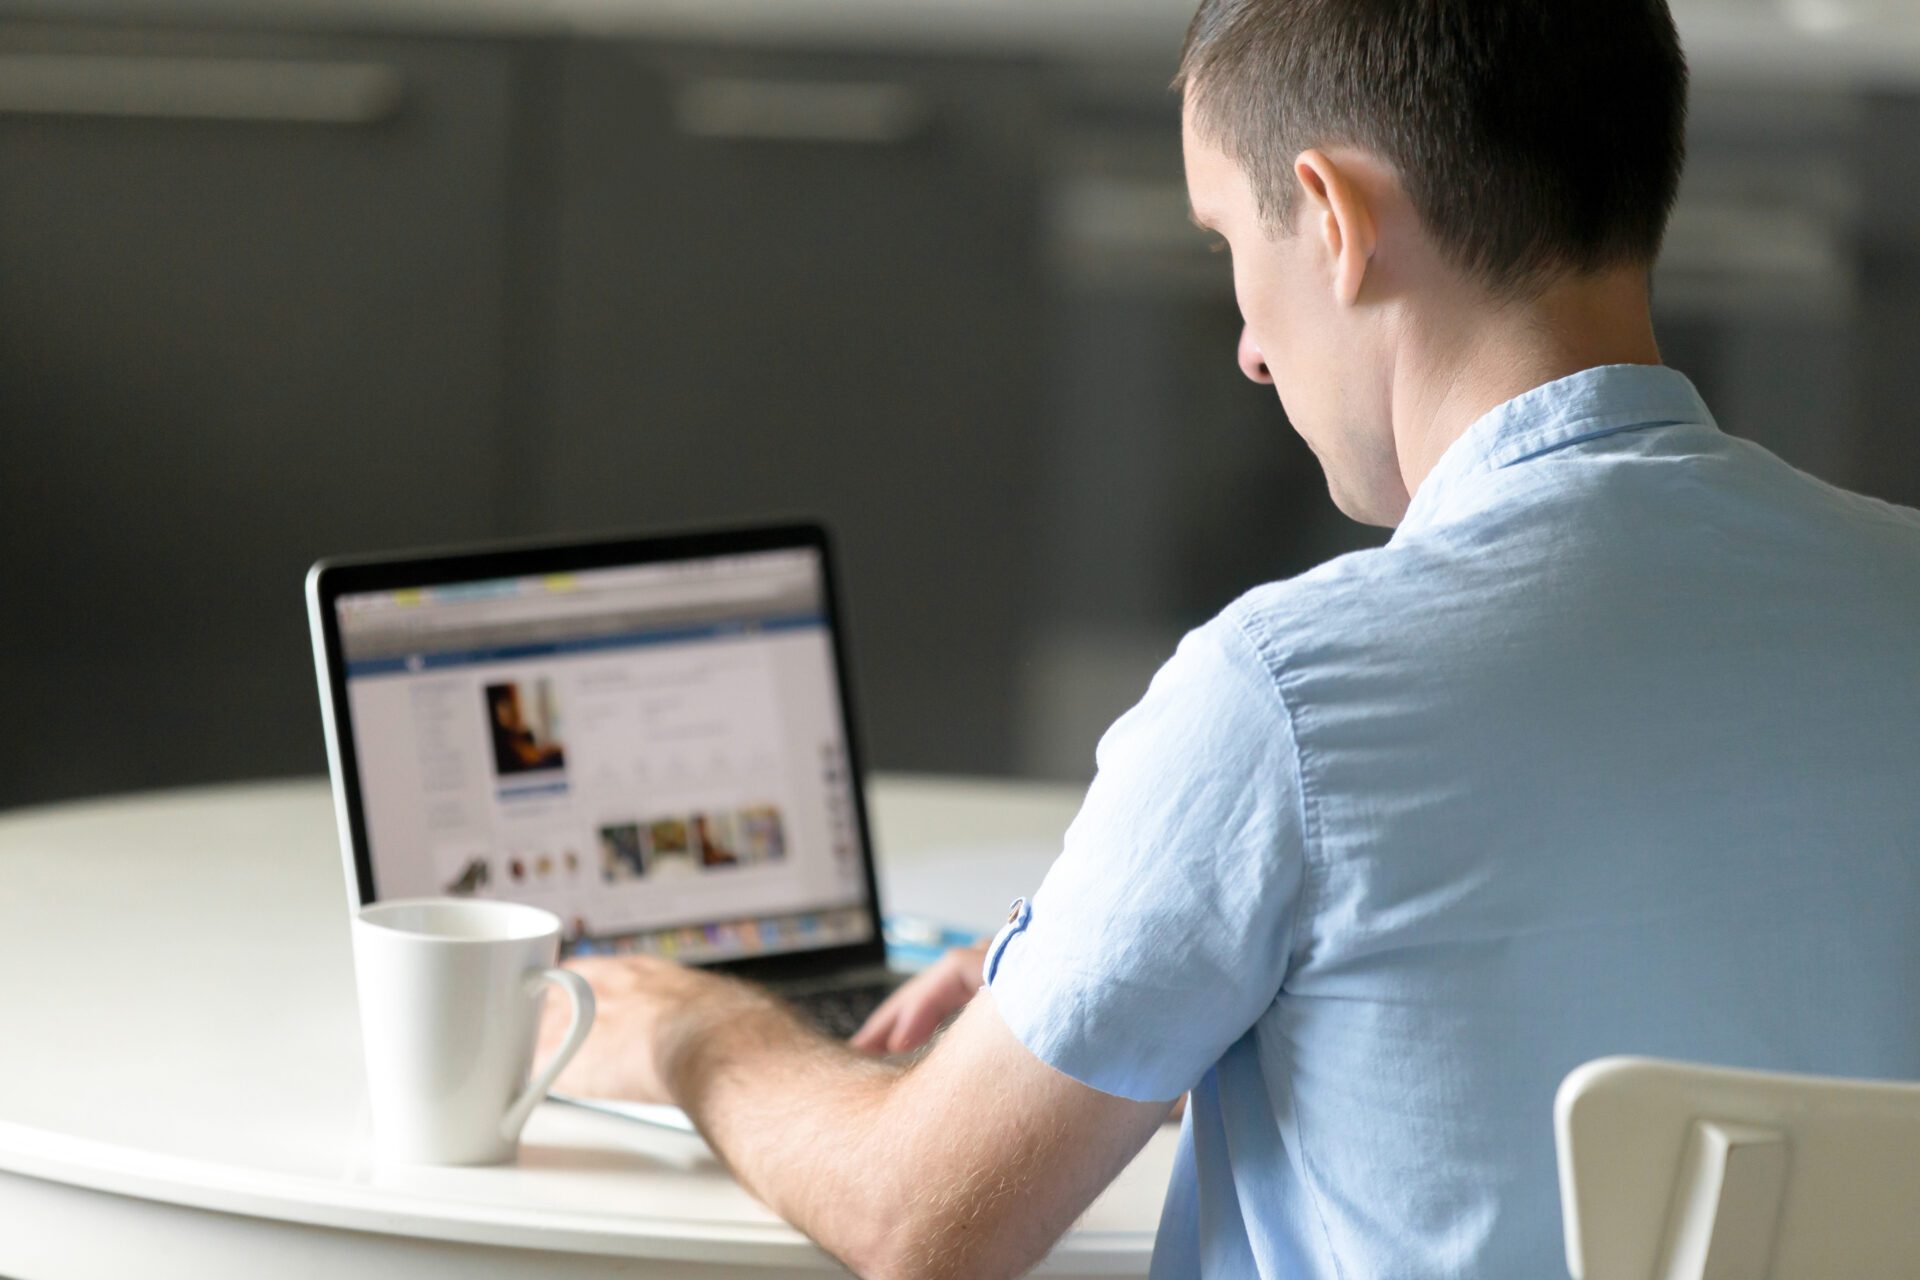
[292,279]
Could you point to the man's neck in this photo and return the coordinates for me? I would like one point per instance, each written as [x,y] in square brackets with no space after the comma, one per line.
[1479,357]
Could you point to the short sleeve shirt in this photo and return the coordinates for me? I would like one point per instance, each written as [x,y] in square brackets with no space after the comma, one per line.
[1609,750]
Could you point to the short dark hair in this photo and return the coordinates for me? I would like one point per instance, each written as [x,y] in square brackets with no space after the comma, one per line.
[1533,137]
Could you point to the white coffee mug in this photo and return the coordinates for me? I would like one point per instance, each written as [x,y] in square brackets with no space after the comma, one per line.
[450,994]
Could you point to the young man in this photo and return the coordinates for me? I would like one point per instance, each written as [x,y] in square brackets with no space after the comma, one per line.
[1609,750]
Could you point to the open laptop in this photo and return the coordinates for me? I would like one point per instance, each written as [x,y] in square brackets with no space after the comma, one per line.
[651,738]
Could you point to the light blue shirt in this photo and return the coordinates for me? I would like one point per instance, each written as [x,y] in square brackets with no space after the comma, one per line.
[1614,748]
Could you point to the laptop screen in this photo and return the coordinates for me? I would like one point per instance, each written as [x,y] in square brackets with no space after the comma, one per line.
[654,753]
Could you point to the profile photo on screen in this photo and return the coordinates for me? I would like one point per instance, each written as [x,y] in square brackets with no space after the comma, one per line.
[525,727]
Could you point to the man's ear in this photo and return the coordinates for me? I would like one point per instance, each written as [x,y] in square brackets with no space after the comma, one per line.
[1336,214]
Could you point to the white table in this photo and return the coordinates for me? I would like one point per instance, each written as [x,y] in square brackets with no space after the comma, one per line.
[180,1081]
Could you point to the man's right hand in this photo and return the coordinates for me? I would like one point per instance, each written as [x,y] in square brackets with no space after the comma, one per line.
[908,1018]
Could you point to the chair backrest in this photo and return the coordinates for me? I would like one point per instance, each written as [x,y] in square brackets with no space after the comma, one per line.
[1670,1171]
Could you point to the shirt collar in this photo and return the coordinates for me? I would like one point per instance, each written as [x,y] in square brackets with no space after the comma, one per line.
[1594,402]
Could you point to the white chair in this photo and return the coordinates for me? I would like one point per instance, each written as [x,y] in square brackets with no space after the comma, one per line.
[1677,1172]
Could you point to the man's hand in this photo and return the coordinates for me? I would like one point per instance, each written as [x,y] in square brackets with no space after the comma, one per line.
[908,1018]
[647,1012]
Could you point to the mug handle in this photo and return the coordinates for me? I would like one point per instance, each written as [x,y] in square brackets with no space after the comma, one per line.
[581,997]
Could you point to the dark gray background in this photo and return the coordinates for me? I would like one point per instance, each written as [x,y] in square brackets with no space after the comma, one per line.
[990,353]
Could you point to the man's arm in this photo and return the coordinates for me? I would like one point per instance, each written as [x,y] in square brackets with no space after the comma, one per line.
[969,1163]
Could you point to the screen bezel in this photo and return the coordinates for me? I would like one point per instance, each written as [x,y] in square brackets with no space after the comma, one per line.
[330,579]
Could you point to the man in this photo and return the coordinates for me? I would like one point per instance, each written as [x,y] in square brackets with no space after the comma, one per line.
[1609,750]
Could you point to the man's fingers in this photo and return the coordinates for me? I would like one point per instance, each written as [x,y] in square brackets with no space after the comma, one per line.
[872,1037]
[916,1025]
[554,1016]
[880,1023]
[946,991]
[908,1018]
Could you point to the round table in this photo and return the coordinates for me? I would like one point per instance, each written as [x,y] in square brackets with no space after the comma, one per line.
[180,1078]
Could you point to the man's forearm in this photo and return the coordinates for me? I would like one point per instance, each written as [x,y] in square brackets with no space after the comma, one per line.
[794,1115]
[964,1165]
[971,1163]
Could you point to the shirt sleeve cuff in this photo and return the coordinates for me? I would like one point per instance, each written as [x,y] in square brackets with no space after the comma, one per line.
[1017,916]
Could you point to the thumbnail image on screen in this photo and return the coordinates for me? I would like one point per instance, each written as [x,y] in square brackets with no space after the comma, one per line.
[524,726]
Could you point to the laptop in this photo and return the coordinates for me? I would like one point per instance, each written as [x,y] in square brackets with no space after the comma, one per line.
[650,737]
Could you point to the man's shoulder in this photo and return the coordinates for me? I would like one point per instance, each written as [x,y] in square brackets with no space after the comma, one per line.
[1352,600]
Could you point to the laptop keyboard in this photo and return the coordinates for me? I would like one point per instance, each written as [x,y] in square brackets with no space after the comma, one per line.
[841,1011]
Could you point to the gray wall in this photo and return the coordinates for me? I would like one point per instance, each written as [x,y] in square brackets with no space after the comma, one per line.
[531,298]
